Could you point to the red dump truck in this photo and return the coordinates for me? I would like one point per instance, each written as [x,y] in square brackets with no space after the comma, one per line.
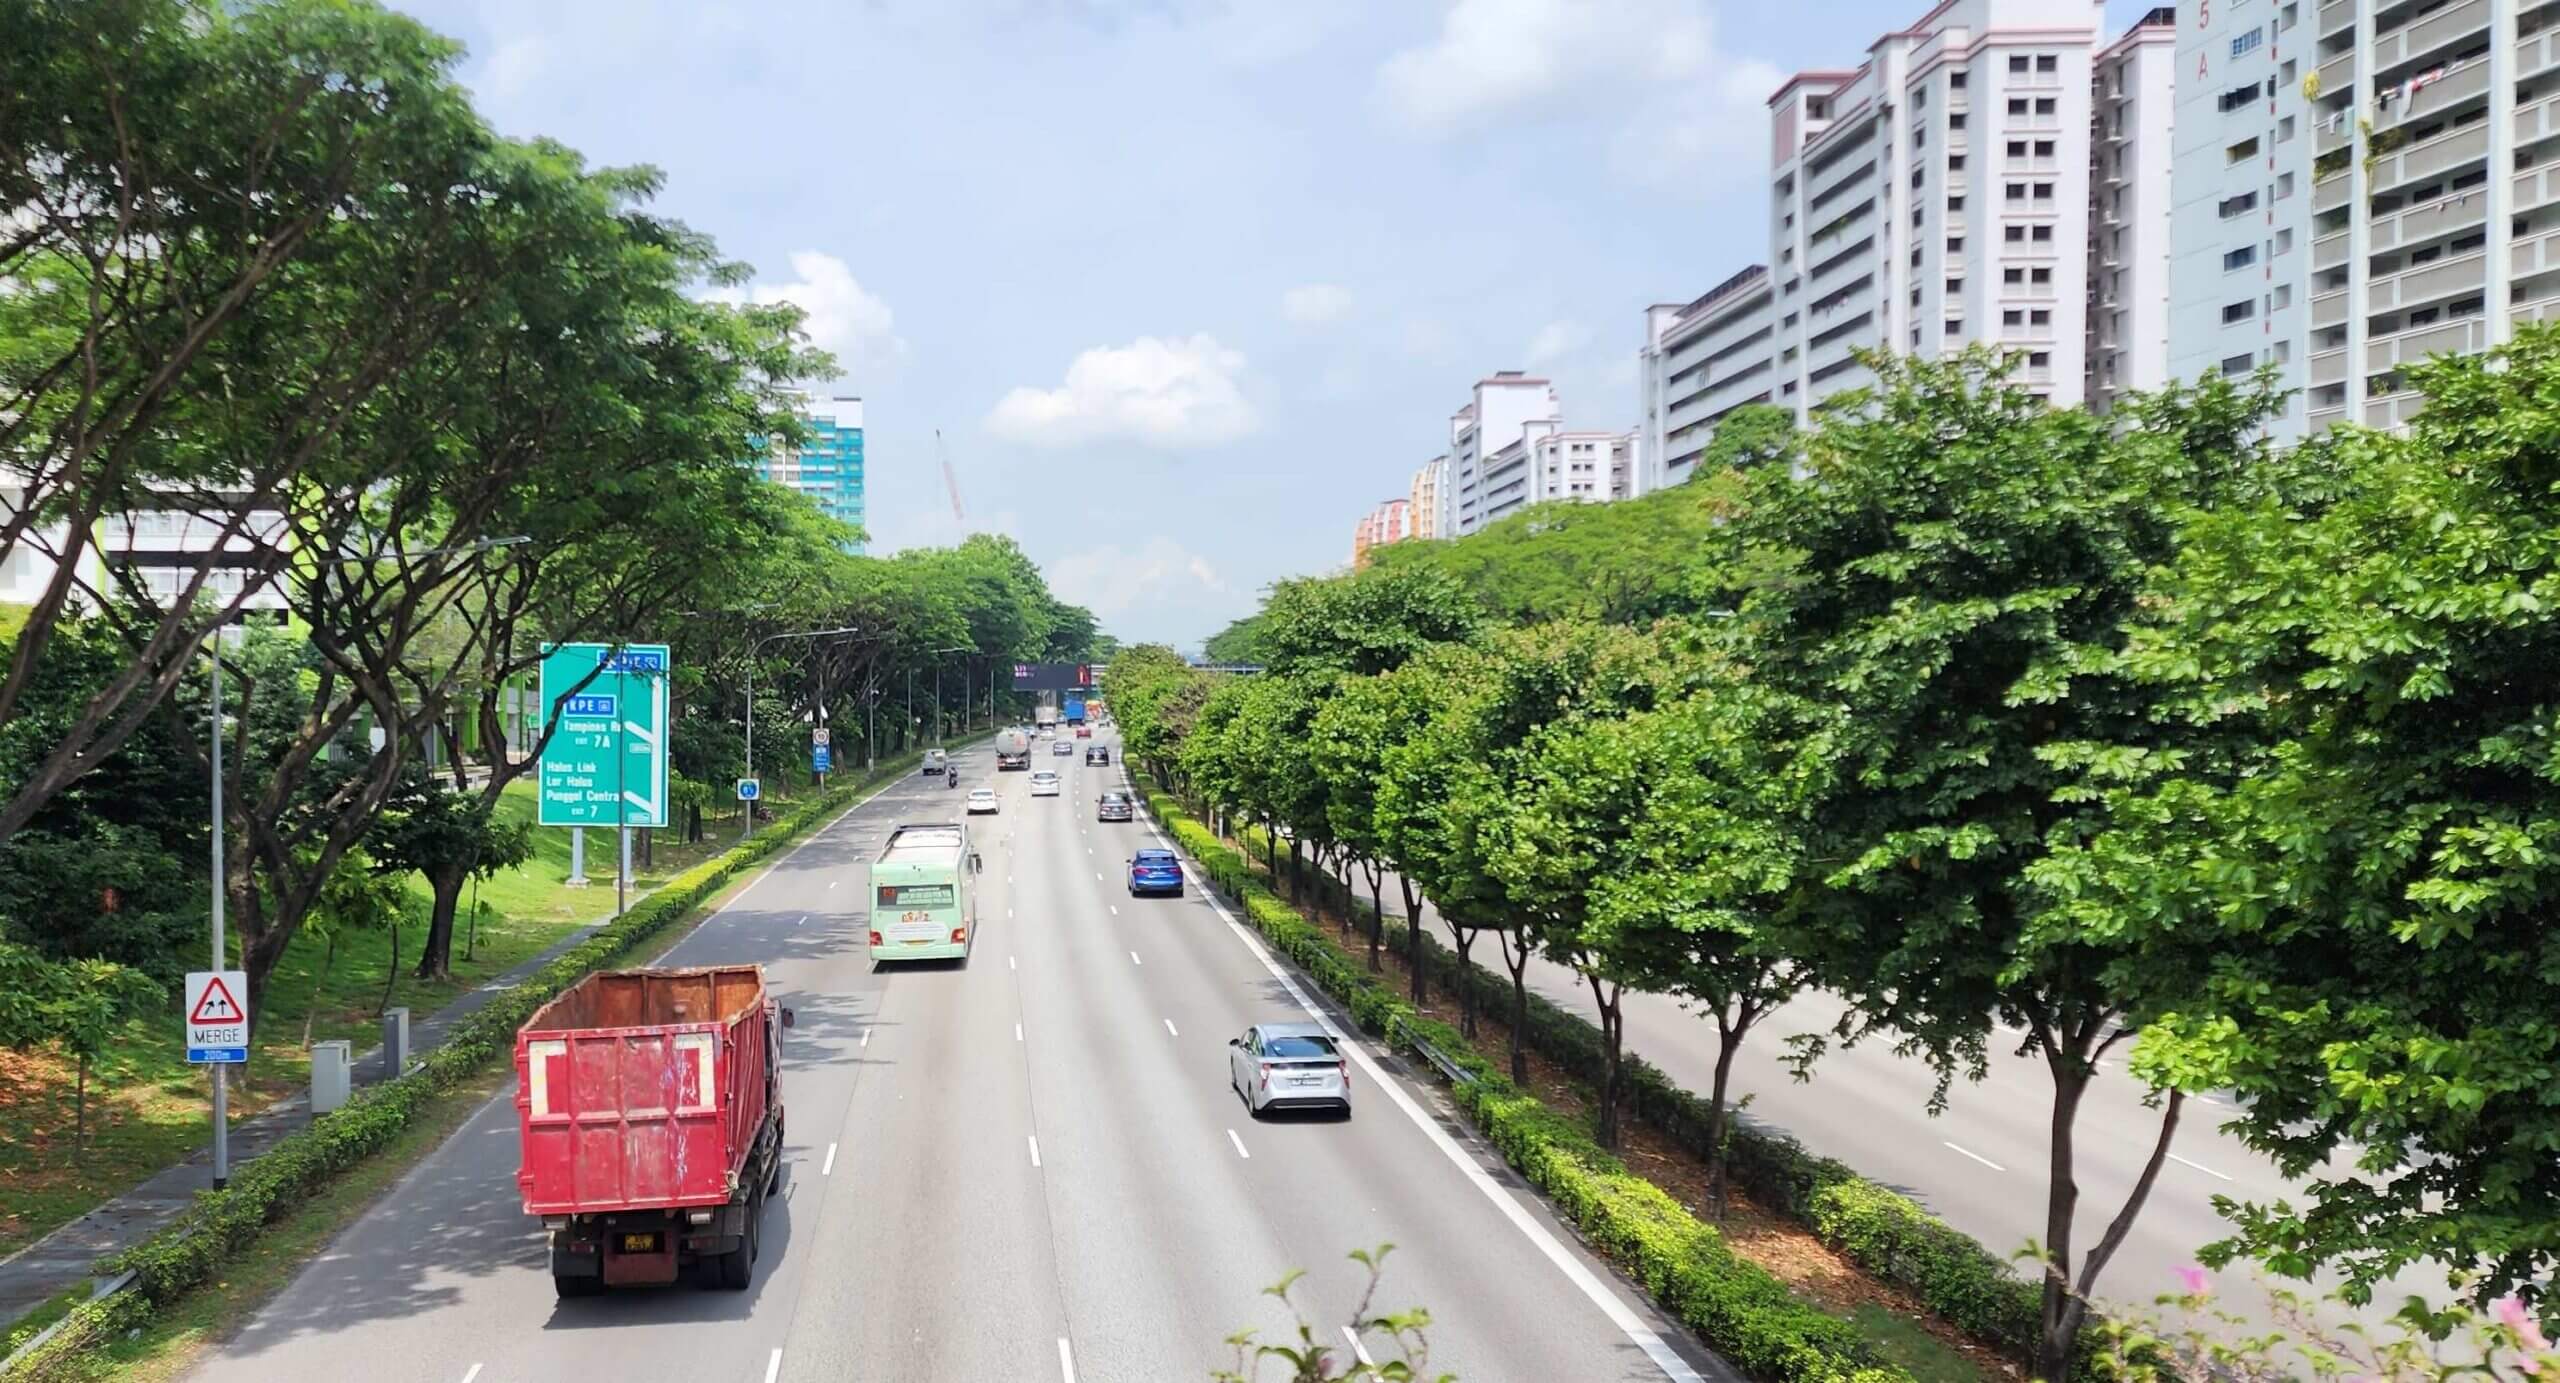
[649,1105]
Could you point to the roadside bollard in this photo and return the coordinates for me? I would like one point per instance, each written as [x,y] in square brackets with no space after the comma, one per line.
[395,1042]
[332,1068]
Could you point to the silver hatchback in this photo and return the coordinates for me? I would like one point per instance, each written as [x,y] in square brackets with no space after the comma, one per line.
[1289,1066]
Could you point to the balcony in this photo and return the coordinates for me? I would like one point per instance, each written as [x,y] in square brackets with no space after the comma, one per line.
[2441,30]
[2338,72]
[2534,254]
[2328,137]
[2329,251]
[2394,410]
[2547,310]
[2328,367]
[2328,309]
[2428,220]
[2435,98]
[2541,120]
[2330,193]
[2538,54]
[2445,278]
[2437,156]
[2336,15]
[2462,336]
[2536,187]
[2325,418]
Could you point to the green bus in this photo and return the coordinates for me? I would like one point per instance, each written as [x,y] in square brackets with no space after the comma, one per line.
[924,894]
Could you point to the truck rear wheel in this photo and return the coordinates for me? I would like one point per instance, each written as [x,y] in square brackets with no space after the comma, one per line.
[738,1265]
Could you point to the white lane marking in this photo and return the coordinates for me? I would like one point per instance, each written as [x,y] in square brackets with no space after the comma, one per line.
[1097,876]
[2208,1171]
[1115,908]
[1240,1152]
[470,1373]
[803,918]
[1169,1027]
[1358,1350]
[1619,1313]
[1066,1360]
[1987,1162]
[1008,914]
[773,1365]
[831,883]
[1017,1032]
[1008,963]
[866,1037]
[829,1169]
[1133,959]
[1034,1141]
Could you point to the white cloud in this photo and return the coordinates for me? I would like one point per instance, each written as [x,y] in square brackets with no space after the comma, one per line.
[513,67]
[1492,55]
[842,316]
[1557,340]
[1114,582]
[1716,122]
[1178,392]
[1313,304]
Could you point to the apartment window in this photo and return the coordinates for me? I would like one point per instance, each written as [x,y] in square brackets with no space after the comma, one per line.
[2013,276]
[2044,192]
[1915,338]
[1955,163]
[2241,205]
[2284,241]
[2239,96]
[2040,234]
[2017,148]
[2040,317]
[1918,175]
[1955,326]
[2245,149]
[1955,79]
[1915,256]
[2247,42]
[1954,287]
[1955,244]
[1955,121]
[2284,129]
[1955,205]
[2284,186]
[2017,105]
[1917,213]
[2018,63]
[2240,258]
[2045,105]
[2280,299]
[2240,311]
[2012,318]
[2236,364]
[1920,97]
[2039,359]
[2013,234]
[2044,148]
[2042,277]
[1915,297]
[2017,192]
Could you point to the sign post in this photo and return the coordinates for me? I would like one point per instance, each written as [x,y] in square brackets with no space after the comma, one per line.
[821,753]
[606,765]
[217,1015]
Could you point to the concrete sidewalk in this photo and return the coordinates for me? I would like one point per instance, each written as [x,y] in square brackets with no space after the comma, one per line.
[68,1256]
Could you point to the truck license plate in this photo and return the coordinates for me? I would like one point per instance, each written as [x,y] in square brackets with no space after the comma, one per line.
[639,1243]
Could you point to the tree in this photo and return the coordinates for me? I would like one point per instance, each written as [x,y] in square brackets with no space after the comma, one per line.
[1370,622]
[1625,563]
[359,897]
[1355,734]
[77,1005]
[1244,642]
[2347,867]
[1754,435]
[450,835]
[1952,572]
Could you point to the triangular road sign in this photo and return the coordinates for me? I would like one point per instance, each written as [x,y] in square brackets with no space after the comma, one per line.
[216,1005]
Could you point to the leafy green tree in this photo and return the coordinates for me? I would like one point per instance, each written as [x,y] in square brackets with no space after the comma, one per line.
[1244,642]
[1353,736]
[1433,792]
[1754,435]
[1952,573]
[2346,872]
[78,1006]
[1366,623]
[1626,563]
[448,835]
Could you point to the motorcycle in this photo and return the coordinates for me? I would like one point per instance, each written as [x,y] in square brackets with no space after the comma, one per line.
[952,779]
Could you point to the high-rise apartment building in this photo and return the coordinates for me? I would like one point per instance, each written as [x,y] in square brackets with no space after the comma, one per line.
[1938,195]
[829,469]
[1547,462]
[1497,414]
[1390,522]
[2130,213]
[1700,361]
[2407,153]
[1428,495]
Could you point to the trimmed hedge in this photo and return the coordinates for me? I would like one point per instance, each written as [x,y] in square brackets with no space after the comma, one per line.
[1741,1311]
[186,1255]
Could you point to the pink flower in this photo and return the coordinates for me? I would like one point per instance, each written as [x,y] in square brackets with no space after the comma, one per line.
[2198,1281]
[2513,1315]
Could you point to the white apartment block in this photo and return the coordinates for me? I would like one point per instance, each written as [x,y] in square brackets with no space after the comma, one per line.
[1428,498]
[1497,414]
[1700,361]
[1547,462]
[2130,211]
[1907,191]
[161,550]
[2240,225]
[2433,162]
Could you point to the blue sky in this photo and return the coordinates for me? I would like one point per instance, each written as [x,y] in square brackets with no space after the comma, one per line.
[1186,285]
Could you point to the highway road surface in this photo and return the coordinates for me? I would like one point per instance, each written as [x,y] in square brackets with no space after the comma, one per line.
[1028,1167]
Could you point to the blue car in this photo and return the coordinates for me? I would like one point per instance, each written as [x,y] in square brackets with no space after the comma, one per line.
[1155,871]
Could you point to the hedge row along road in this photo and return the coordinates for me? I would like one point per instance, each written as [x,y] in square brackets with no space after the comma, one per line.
[963,1202]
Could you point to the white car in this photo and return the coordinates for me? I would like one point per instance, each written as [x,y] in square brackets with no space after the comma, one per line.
[982,802]
[1044,784]
[1289,1066]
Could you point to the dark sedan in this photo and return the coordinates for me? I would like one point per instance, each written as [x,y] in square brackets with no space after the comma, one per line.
[1113,806]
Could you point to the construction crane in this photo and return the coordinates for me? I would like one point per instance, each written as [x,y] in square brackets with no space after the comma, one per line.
[950,478]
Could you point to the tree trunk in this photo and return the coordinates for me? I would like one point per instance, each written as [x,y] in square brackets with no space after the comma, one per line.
[2059,1322]
[435,958]
[2065,1312]
[1728,1044]
[1270,849]
[328,959]
[1611,999]
[1297,869]
[1413,939]
[80,1113]
[391,974]
[1465,937]
[1515,957]
[648,849]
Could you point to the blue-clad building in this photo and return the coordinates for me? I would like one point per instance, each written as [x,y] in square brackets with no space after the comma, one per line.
[829,468]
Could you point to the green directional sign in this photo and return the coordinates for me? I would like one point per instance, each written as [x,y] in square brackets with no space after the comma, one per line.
[607,764]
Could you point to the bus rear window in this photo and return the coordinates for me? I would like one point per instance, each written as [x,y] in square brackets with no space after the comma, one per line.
[917,896]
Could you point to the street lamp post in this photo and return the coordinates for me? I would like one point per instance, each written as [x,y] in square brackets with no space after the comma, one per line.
[750,831]
[221,874]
